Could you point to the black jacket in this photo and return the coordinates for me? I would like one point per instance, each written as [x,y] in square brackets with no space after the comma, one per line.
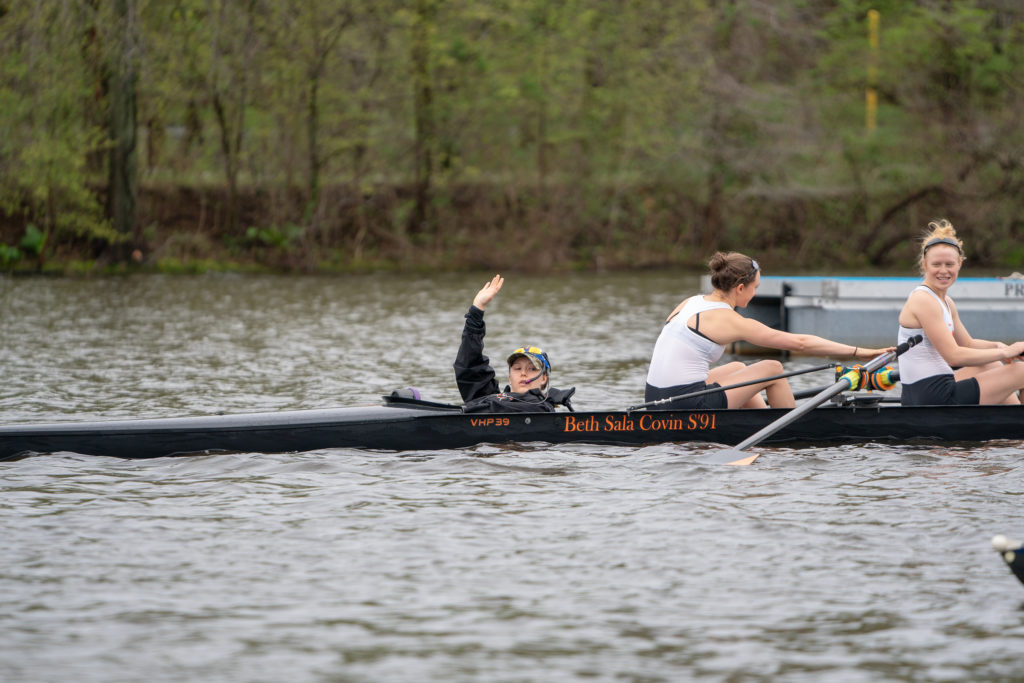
[477,383]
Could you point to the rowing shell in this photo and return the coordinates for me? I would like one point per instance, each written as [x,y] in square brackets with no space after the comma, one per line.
[414,425]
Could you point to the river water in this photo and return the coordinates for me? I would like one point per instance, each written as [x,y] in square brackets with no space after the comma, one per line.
[494,563]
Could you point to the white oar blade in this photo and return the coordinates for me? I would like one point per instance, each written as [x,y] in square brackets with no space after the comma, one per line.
[728,456]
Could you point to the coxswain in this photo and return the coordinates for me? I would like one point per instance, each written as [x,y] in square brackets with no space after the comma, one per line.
[529,369]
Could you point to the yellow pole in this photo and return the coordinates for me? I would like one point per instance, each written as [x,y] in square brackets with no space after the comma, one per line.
[871,96]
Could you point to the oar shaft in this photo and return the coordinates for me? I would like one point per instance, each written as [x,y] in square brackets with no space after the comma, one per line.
[807,393]
[840,386]
[794,414]
[712,390]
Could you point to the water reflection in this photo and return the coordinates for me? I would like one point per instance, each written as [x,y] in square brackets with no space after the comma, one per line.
[153,345]
[524,562]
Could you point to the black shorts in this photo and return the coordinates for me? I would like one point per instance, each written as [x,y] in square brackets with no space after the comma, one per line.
[942,390]
[715,399]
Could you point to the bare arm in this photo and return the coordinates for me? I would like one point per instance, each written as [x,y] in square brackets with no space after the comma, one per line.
[958,349]
[726,326]
[964,338]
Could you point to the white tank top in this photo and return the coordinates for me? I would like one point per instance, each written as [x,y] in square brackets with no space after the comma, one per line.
[681,356]
[923,360]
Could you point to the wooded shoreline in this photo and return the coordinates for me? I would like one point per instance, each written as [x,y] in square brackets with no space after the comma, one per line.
[524,229]
[330,135]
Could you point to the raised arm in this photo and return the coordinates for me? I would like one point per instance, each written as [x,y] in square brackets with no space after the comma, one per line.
[488,292]
[473,372]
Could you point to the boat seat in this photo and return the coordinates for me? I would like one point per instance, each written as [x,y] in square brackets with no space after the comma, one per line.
[860,400]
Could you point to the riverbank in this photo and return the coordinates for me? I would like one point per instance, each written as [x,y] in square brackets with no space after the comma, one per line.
[186,229]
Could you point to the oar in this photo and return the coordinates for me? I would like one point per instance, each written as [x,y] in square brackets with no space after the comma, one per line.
[660,401]
[807,393]
[736,456]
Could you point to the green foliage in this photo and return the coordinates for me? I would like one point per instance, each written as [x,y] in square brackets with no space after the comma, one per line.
[9,255]
[44,99]
[1012,254]
[34,240]
[175,266]
[283,239]
[32,243]
[566,110]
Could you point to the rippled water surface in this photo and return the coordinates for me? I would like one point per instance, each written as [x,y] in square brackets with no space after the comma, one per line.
[493,563]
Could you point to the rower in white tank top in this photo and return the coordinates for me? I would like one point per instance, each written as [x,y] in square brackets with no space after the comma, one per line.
[923,361]
[682,355]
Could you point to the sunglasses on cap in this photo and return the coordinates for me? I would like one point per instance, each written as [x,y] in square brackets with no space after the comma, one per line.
[534,352]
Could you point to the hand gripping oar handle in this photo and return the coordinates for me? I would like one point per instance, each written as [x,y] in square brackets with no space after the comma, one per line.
[735,456]
[894,375]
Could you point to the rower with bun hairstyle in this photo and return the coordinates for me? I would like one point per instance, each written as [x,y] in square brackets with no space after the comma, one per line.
[926,371]
[698,330]
[529,369]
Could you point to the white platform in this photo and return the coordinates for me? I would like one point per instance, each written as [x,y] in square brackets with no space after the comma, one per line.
[863,310]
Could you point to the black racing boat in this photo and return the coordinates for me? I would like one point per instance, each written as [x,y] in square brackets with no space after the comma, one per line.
[406,424]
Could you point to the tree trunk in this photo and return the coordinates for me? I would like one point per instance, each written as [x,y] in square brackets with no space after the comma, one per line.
[229,153]
[711,231]
[423,105]
[123,130]
[312,133]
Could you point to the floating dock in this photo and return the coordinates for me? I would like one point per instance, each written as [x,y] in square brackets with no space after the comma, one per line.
[863,311]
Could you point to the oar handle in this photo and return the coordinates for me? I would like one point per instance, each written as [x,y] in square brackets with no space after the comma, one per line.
[879,361]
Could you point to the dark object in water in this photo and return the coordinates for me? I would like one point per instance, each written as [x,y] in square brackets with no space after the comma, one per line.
[1011,553]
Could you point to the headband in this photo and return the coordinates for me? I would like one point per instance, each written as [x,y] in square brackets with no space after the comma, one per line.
[942,240]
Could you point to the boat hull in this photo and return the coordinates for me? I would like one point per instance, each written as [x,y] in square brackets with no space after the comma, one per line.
[404,428]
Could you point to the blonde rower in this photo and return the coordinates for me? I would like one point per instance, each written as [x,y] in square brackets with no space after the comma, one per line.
[926,371]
